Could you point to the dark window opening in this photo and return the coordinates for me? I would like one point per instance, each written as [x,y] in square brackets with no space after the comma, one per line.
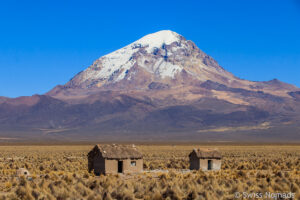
[209,165]
[120,166]
[133,163]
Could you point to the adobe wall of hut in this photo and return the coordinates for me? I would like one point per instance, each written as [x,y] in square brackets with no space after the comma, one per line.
[194,163]
[111,166]
[98,165]
[130,167]
[203,164]
[215,164]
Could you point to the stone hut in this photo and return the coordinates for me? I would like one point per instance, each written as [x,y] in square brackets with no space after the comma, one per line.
[205,159]
[22,172]
[113,159]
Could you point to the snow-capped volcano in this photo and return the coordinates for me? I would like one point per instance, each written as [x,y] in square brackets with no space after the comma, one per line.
[159,56]
[161,83]
[161,60]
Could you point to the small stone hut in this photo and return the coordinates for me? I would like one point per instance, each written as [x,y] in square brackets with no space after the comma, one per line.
[22,172]
[205,159]
[113,159]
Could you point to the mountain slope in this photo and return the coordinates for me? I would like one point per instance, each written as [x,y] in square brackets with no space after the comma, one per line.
[161,83]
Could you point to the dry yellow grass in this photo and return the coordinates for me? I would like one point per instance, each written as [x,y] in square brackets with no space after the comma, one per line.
[60,172]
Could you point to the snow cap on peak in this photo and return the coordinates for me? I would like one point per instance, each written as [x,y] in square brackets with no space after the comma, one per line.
[115,66]
[156,40]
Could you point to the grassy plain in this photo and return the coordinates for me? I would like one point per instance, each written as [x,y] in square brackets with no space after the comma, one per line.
[60,172]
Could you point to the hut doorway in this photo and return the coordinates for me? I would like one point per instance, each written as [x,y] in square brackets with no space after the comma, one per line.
[209,165]
[120,166]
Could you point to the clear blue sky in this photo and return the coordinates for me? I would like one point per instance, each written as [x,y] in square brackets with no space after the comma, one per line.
[45,43]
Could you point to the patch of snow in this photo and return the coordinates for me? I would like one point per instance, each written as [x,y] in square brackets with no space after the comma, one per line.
[157,40]
[167,69]
[115,62]
[174,49]
[161,68]
[156,65]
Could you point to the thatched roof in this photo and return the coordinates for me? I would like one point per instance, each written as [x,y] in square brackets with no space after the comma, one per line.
[206,153]
[116,151]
